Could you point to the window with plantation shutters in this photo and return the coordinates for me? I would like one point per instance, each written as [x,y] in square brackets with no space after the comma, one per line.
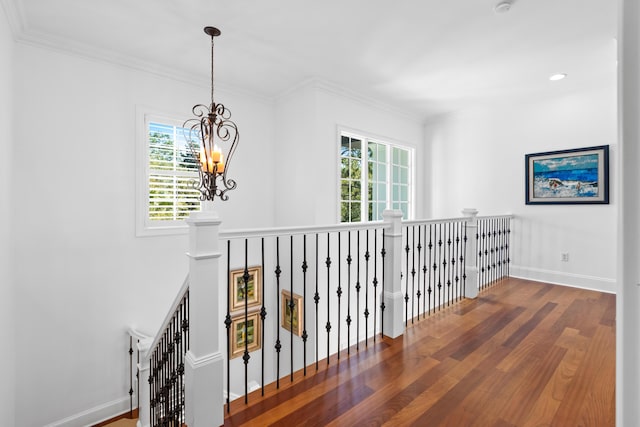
[167,195]
[172,169]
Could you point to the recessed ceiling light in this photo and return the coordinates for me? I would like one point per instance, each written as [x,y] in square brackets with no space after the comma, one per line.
[503,7]
[556,77]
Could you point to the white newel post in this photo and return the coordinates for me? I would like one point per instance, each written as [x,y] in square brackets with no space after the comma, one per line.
[393,299]
[143,384]
[204,367]
[471,268]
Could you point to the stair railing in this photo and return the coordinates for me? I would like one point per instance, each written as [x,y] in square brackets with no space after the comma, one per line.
[353,281]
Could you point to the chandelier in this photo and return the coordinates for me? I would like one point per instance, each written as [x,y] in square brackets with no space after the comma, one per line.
[217,138]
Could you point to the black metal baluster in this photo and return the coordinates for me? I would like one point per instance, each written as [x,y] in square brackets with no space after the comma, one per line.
[292,307]
[413,269]
[316,298]
[457,257]
[263,312]
[152,392]
[349,259]
[406,282]
[440,249]
[487,261]
[304,303]
[463,261]
[447,267]
[245,293]
[358,291]
[479,251]
[366,292]
[328,326]
[339,290]
[499,247]
[508,246]
[425,269]
[130,376]
[383,254]
[375,284]
[432,270]
[278,345]
[227,324]
[493,250]
[419,247]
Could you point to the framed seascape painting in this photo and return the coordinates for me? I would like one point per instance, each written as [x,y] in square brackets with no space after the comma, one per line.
[252,295]
[291,319]
[577,176]
[245,334]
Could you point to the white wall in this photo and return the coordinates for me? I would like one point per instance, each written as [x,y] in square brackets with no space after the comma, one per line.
[7,323]
[478,161]
[308,123]
[82,276]
[627,298]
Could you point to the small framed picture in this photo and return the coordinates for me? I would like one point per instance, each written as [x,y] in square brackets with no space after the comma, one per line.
[292,316]
[239,295]
[245,335]
[576,176]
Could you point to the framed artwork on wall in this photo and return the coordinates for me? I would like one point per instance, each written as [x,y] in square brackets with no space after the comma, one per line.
[252,295]
[576,176]
[292,316]
[245,334]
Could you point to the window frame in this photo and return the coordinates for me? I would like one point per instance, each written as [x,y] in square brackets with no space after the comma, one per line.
[389,144]
[145,226]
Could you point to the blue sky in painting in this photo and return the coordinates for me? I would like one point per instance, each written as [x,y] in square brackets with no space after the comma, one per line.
[587,161]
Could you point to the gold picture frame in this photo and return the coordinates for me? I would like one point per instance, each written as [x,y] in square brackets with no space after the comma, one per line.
[254,291]
[297,324]
[251,334]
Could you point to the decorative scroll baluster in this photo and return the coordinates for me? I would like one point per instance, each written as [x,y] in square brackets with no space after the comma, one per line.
[339,290]
[278,345]
[304,304]
[366,292]
[456,253]
[413,269]
[227,324]
[328,326]
[316,298]
[166,384]
[419,247]
[383,254]
[263,313]
[358,291]
[245,288]
[130,376]
[440,250]
[349,259]
[406,283]
[375,284]
[292,307]
[431,258]
[449,270]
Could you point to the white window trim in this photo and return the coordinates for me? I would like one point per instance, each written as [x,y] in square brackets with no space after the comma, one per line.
[390,142]
[145,227]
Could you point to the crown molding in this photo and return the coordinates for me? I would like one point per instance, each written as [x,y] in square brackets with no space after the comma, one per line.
[82,50]
[15,16]
[335,89]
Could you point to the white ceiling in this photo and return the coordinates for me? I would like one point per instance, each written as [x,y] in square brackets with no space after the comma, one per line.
[422,56]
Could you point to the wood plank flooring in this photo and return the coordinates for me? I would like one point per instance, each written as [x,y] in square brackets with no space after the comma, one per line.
[522,354]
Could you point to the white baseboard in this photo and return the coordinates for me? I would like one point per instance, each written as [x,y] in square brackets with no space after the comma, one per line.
[593,283]
[95,415]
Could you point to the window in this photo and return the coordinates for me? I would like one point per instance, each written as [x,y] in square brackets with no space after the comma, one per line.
[386,178]
[170,168]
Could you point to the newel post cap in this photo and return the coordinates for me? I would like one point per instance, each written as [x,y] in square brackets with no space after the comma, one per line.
[470,212]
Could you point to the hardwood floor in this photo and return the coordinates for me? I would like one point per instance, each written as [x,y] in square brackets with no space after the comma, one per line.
[522,354]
